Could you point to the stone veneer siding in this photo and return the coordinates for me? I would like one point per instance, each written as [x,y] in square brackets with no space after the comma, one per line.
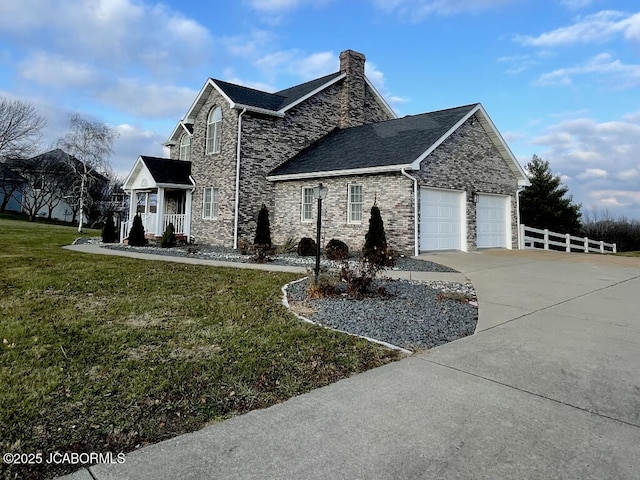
[392,192]
[216,170]
[468,160]
[267,142]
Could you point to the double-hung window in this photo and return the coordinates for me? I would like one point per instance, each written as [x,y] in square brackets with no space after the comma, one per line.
[185,147]
[307,204]
[210,203]
[354,205]
[214,131]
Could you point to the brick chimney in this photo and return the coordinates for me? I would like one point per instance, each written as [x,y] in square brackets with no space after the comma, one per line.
[353,89]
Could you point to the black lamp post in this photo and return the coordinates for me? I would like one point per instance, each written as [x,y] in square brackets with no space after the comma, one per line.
[319,193]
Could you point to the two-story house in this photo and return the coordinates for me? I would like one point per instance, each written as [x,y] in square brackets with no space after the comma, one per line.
[443,180]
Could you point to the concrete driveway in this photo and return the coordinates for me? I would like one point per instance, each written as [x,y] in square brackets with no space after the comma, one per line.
[547,388]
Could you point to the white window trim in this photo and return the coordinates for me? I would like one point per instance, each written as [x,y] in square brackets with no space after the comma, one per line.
[213,139]
[350,221]
[185,148]
[215,202]
[302,205]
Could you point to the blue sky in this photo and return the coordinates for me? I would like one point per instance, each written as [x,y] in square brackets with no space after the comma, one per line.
[560,79]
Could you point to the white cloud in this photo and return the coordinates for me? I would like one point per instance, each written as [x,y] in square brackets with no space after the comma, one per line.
[112,33]
[590,173]
[616,198]
[148,100]
[614,73]
[53,70]
[630,174]
[277,6]
[133,141]
[597,28]
[418,10]
[295,63]
[599,161]
[577,4]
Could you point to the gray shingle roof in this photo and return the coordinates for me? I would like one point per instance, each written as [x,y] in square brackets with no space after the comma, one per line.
[393,142]
[271,101]
[164,170]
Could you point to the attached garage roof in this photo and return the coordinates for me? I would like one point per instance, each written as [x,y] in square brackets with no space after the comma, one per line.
[392,145]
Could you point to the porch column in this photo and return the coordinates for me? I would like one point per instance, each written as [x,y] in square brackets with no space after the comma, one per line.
[160,212]
[187,214]
[133,205]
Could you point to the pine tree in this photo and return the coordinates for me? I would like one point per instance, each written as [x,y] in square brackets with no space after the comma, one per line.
[136,234]
[109,230]
[545,203]
[263,230]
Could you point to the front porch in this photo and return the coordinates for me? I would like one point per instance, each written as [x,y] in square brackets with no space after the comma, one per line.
[160,192]
[150,223]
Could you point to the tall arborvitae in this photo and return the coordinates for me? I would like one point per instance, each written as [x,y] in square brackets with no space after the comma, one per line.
[168,239]
[136,234]
[263,229]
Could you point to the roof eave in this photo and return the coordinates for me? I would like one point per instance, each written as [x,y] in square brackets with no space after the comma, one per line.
[381,98]
[312,93]
[250,108]
[415,165]
[139,161]
[502,146]
[340,173]
[493,133]
[176,185]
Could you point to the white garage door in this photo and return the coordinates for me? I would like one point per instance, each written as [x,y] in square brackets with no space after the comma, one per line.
[441,219]
[493,219]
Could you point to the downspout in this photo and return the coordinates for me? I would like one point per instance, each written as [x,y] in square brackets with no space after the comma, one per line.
[237,203]
[416,249]
[520,239]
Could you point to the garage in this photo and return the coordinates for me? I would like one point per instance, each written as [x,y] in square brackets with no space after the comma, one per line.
[441,219]
[493,221]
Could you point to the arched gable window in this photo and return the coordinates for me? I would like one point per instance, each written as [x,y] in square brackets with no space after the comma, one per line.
[214,130]
[185,147]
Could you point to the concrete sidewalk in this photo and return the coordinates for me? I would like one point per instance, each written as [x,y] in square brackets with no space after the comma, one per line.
[547,388]
[97,249]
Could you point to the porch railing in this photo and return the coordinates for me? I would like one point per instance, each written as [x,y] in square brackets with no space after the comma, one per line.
[178,222]
[149,224]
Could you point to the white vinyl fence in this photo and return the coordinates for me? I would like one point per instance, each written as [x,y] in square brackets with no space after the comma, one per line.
[535,238]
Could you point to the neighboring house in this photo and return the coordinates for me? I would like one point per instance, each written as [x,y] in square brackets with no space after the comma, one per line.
[10,181]
[442,180]
[46,187]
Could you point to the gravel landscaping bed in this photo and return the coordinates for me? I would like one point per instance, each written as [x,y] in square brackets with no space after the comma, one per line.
[411,315]
[291,259]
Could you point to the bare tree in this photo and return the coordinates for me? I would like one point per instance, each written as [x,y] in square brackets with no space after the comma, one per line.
[91,143]
[20,129]
[40,185]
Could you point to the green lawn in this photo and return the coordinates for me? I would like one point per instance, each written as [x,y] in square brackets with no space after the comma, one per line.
[106,354]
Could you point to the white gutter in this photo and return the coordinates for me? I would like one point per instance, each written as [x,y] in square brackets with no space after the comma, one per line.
[237,203]
[416,249]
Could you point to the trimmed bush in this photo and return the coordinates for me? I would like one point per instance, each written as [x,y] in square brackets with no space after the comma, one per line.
[136,234]
[307,247]
[168,239]
[336,250]
[375,248]
[109,231]
[263,229]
